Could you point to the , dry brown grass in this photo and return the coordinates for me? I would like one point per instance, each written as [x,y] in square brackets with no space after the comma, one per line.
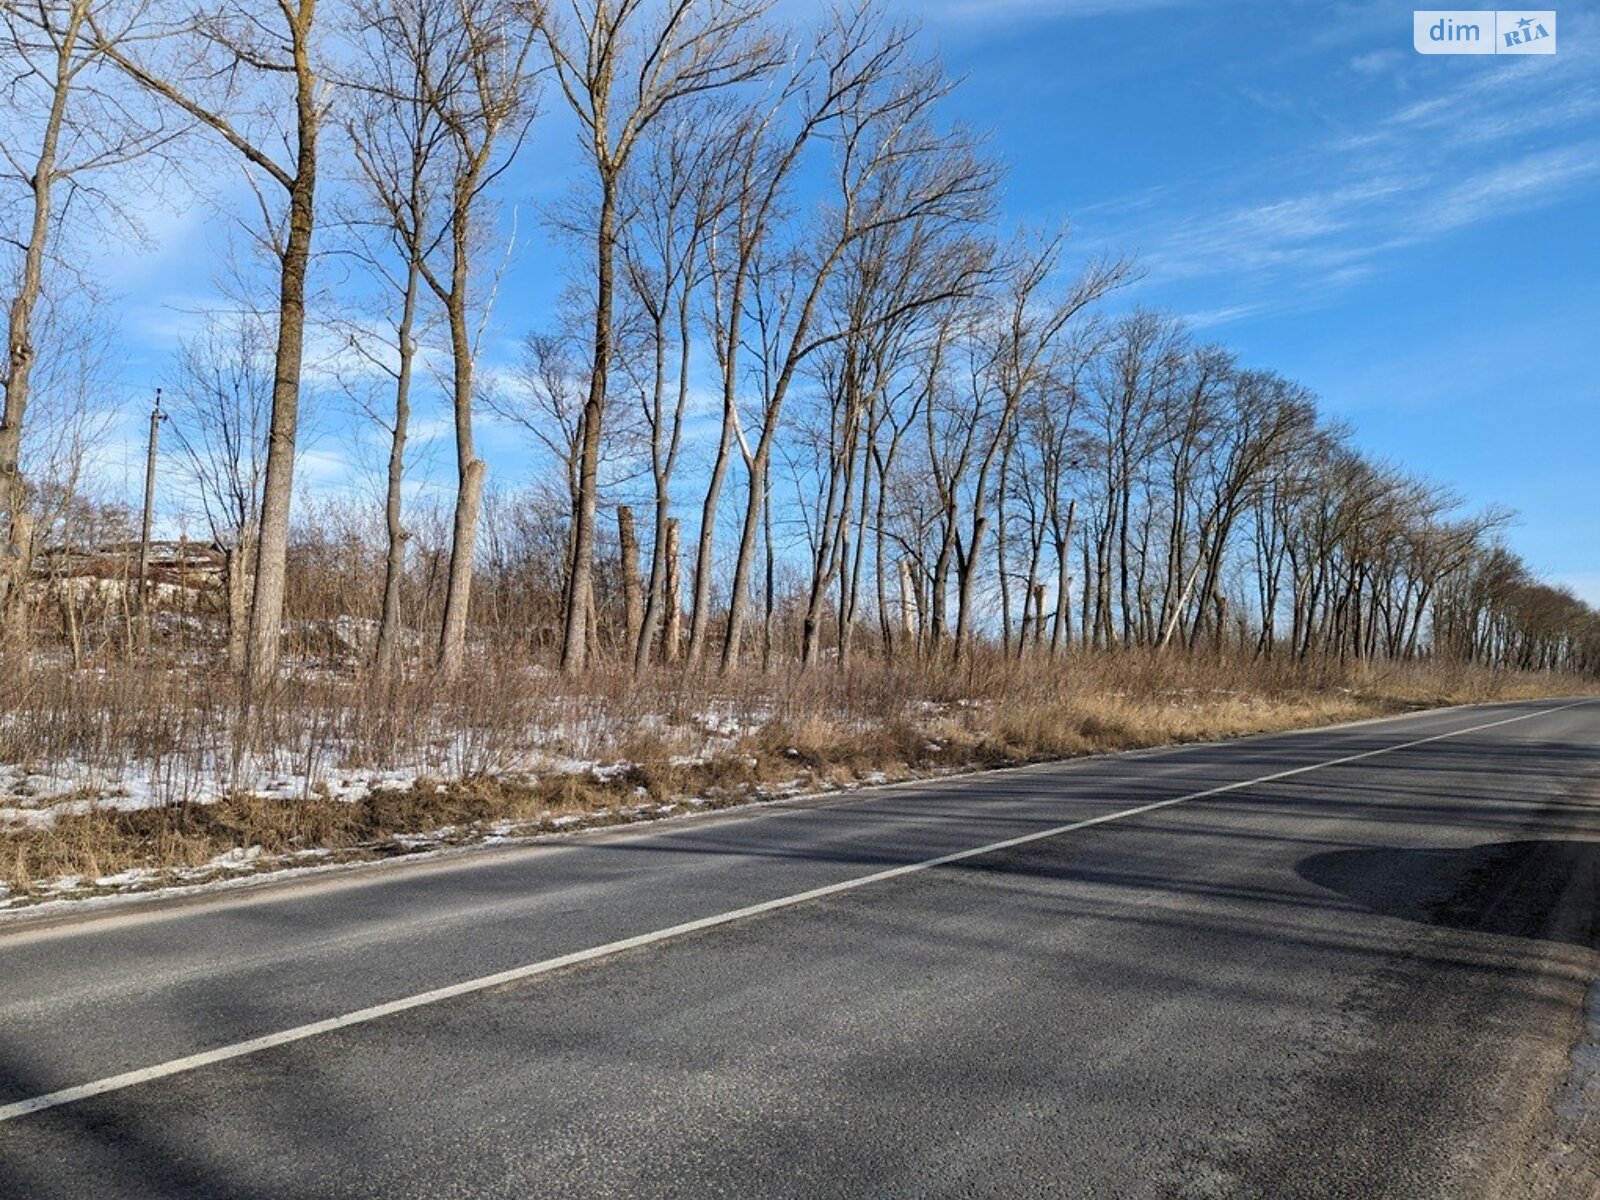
[487,757]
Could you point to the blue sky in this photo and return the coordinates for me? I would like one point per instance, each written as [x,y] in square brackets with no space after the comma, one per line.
[1415,238]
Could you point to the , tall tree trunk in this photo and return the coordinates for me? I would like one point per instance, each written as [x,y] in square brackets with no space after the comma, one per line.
[236,561]
[672,628]
[967,574]
[853,592]
[632,600]
[769,590]
[728,353]
[386,655]
[1107,575]
[1091,587]
[1124,556]
[1061,633]
[748,537]
[575,648]
[661,473]
[655,589]
[938,600]
[277,494]
[909,617]
[1002,548]
[272,544]
[828,554]
[880,562]
[16,552]
[700,603]
[591,620]
[470,468]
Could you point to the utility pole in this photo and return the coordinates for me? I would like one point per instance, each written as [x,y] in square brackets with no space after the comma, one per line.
[156,417]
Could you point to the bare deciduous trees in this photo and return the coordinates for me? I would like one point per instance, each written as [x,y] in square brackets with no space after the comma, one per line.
[622,65]
[481,94]
[64,123]
[222,401]
[894,167]
[675,203]
[248,71]
[397,140]
[444,96]
[802,349]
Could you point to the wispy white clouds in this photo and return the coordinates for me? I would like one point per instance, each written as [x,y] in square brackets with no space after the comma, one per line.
[1495,141]
[1377,62]
[1524,183]
[1207,317]
[1315,231]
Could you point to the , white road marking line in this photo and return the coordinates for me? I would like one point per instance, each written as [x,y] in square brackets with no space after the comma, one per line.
[362,1016]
